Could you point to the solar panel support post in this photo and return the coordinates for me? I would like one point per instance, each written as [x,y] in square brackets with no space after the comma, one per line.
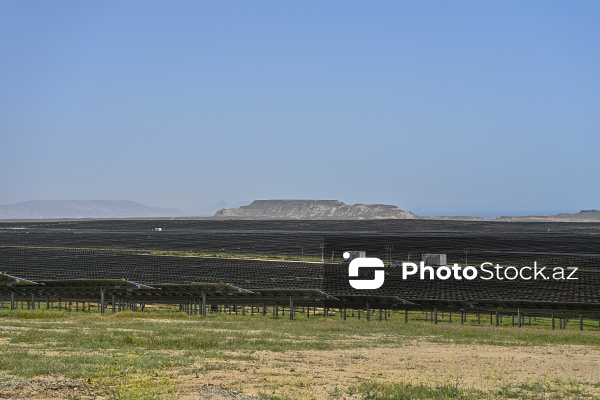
[380,314]
[69,308]
[512,317]
[497,318]
[291,308]
[101,300]
[264,309]
[12,299]
[276,309]
[307,312]
[463,317]
[344,313]
[519,316]
[450,317]
[203,304]
[478,318]
[435,315]
[581,322]
[32,301]
[114,308]
[553,325]
[368,312]
[406,315]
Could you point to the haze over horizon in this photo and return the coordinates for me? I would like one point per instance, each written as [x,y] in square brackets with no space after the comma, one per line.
[439,108]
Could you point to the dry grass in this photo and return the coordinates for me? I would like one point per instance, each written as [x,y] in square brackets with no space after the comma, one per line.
[165,354]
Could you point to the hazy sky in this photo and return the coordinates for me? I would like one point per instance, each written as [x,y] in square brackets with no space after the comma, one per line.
[438,107]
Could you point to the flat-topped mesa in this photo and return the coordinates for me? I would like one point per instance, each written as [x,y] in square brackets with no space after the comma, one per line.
[314,209]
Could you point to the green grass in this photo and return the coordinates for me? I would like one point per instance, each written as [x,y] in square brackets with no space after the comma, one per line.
[407,391]
[133,354]
[164,330]
[557,390]
[189,253]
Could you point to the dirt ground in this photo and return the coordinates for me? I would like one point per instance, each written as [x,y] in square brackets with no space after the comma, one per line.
[44,388]
[316,374]
[306,374]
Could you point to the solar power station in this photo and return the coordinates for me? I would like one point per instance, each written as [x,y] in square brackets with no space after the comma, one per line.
[285,267]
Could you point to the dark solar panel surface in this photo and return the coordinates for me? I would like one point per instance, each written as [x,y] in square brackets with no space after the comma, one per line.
[205,251]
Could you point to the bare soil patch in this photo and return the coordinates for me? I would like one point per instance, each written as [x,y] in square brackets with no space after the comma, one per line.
[315,374]
[49,388]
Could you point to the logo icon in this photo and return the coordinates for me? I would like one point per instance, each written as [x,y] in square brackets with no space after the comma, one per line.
[365,262]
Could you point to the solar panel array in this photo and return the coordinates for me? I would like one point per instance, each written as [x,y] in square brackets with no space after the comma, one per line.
[235,252]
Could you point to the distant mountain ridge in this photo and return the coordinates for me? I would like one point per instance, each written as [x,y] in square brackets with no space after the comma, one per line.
[314,209]
[582,216]
[41,209]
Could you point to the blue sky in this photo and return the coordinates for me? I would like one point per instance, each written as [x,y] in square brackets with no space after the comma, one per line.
[439,107]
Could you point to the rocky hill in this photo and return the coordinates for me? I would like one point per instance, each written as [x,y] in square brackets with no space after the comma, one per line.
[82,209]
[314,209]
